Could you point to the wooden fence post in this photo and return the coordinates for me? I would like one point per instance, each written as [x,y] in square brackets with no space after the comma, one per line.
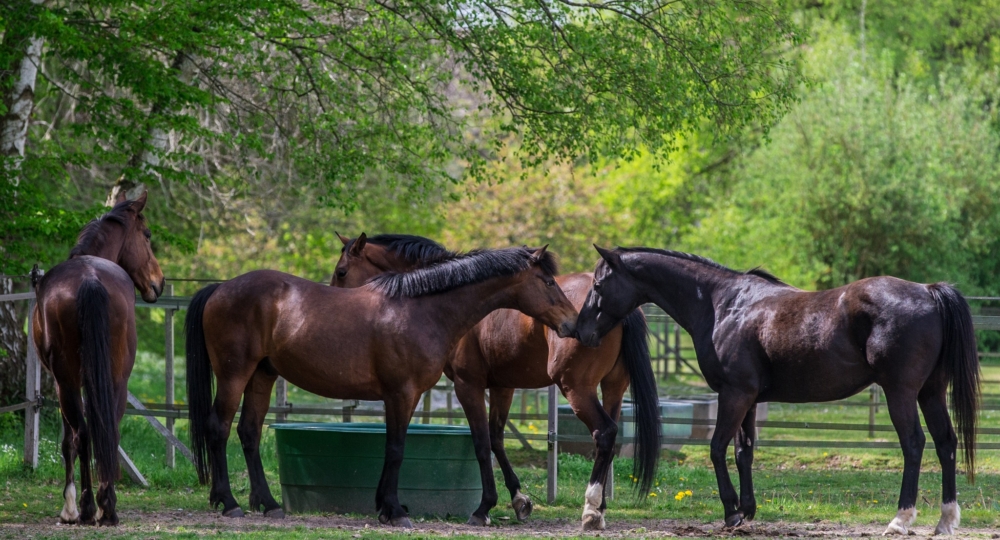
[553,466]
[168,361]
[32,389]
[427,407]
[281,398]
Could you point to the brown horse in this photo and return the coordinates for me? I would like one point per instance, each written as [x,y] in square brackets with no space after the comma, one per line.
[759,340]
[387,341]
[509,350]
[84,332]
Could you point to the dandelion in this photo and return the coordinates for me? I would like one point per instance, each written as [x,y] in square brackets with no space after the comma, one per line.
[688,493]
[679,496]
[651,494]
[25,504]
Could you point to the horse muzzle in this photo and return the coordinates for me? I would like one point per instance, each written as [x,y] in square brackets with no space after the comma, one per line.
[567,329]
[589,340]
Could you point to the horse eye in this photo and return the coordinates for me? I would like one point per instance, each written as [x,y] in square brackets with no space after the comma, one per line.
[148,234]
[551,283]
[342,273]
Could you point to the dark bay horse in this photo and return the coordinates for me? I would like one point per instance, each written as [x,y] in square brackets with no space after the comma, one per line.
[509,350]
[84,332]
[386,341]
[758,340]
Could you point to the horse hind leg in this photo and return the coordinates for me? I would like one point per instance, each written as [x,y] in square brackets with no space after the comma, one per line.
[933,403]
[70,513]
[500,402]
[903,412]
[256,400]
[220,422]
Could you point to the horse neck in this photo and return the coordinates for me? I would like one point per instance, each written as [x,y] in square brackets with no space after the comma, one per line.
[458,310]
[109,247]
[686,290]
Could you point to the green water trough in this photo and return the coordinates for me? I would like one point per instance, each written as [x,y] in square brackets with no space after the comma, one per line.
[336,468]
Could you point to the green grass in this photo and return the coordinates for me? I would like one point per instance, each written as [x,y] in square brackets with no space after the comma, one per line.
[849,487]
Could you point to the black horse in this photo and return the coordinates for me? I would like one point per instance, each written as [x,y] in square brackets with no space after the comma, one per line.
[758,340]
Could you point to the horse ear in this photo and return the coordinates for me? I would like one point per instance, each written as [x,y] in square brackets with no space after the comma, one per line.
[122,196]
[359,244]
[612,258]
[139,203]
[539,253]
[343,239]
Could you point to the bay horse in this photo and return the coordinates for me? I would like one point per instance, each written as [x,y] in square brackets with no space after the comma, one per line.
[84,332]
[386,341]
[509,350]
[759,340]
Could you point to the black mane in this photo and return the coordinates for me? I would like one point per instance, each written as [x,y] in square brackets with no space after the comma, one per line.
[413,249]
[758,271]
[464,269]
[94,235]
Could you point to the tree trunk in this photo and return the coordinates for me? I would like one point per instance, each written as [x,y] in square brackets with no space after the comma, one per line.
[13,349]
[127,188]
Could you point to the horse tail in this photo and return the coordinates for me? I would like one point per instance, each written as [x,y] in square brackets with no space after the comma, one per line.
[962,364]
[95,357]
[645,401]
[199,380]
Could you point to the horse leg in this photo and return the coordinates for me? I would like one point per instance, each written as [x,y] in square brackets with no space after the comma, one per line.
[220,421]
[604,430]
[903,413]
[934,404]
[733,407]
[73,426]
[472,399]
[256,400]
[500,401]
[398,410]
[744,442]
[107,499]
[613,388]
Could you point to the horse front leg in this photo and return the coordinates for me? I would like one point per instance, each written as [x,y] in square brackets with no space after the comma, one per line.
[69,513]
[604,430]
[746,438]
[256,400]
[733,407]
[220,422]
[398,410]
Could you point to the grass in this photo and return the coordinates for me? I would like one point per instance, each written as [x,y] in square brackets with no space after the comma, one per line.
[849,487]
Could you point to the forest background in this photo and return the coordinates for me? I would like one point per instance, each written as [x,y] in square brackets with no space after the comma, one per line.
[825,141]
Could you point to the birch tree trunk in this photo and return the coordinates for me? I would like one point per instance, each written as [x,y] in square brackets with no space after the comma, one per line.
[157,142]
[20,103]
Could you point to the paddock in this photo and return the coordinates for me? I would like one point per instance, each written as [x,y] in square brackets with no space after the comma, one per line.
[823,469]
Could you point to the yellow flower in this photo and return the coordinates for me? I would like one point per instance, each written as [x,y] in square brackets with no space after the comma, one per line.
[688,493]
[651,494]
[25,504]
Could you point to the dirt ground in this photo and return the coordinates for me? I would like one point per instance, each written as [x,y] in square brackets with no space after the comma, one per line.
[146,524]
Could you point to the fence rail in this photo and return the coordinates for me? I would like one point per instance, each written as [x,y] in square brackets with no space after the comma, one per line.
[667,346]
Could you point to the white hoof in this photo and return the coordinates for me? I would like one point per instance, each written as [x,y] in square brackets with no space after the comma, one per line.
[593,519]
[951,514]
[899,524]
[69,512]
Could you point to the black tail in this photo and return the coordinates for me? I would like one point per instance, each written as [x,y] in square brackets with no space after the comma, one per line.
[962,362]
[95,357]
[199,380]
[645,401]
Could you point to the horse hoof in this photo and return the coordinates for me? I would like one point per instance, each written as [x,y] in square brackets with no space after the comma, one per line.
[734,520]
[275,513]
[234,512]
[593,522]
[899,524]
[522,506]
[950,517]
[403,522]
[383,519]
[477,521]
[108,520]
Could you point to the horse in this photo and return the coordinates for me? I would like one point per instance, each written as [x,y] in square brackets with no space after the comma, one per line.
[386,341]
[760,340]
[84,332]
[509,350]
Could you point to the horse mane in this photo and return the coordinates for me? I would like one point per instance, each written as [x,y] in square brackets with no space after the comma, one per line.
[94,235]
[462,269]
[413,249]
[758,271]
